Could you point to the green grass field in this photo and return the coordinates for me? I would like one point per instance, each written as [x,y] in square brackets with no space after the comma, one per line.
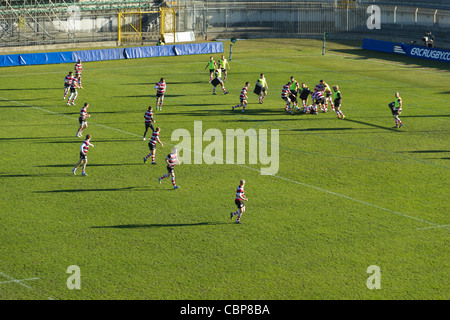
[348,194]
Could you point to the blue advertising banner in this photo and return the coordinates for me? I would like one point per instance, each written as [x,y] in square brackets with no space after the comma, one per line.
[409,50]
[426,53]
[12,60]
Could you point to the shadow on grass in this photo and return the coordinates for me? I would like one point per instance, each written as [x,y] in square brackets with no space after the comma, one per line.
[33,175]
[28,89]
[427,116]
[104,190]
[91,165]
[159,225]
[424,151]
[80,141]
[374,125]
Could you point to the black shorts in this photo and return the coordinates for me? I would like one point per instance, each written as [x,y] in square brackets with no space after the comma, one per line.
[211,70]
[83,156]
[215,82]
[294,93]
[73,90]
[395,111]
[258,89]
[320,101]
[328,94]
[304,95]
[169,169]
[160,95]
[239,203]
[151,146]
[285,98]
[293,97]
[81,121]
[337,103]
[66,85]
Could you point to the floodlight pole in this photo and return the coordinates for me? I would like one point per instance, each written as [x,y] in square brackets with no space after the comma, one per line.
[325,36]
[231,50]
[323,48]
[233,40]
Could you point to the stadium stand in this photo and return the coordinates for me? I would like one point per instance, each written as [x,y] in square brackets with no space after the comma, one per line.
[54,22]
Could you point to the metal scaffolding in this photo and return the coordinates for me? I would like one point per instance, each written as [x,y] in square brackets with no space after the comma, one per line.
[36,22]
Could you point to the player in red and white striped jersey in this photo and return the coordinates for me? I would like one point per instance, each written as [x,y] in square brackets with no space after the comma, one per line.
[67,81]
[73,91]
[319,86]
[239,201]
[243,98]
[318,101]
[152,145]
[328,94]
[160,91]
[82,120]
[78,70]
[148,116]
[171,160]
[83,155]
[285,96]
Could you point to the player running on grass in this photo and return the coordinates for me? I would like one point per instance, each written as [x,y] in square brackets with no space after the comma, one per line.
[78,70]
[160,91]
[239,201]
[396,109]
[261,88]
[337,97]
[67,81]
[218,80]
[171,160]
[212,66]
[152,145]
[223,64]
[73,91]
[148,116]
[82,120]
[243,98]
[83,155]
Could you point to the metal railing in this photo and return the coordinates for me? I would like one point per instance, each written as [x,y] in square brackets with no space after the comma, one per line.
[61,21]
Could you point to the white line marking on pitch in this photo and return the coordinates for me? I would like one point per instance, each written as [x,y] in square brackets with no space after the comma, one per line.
[18,281]
[434,225]
[443,226]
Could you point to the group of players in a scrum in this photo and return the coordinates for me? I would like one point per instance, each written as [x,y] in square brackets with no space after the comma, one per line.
[292,92]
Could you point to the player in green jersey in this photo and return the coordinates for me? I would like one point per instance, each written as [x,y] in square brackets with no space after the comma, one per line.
[261,88]
[396,109]
[212,65]
[223,64]
[337,98]
[294,89]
